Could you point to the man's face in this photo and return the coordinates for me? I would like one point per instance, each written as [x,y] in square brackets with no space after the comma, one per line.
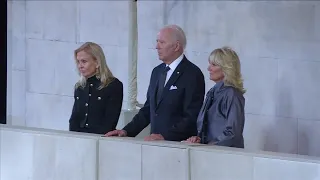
[166,45]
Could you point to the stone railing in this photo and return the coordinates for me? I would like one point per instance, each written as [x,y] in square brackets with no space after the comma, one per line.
[41,154]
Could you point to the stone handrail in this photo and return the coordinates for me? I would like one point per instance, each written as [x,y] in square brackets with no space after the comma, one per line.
[41,154]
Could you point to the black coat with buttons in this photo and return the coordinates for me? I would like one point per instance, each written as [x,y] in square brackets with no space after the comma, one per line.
[96,111]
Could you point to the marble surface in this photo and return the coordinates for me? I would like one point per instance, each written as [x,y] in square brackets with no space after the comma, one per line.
[55,155]
[265,169]
[18,98]
[58,72]
[164,163]
[107,25]
[271,134]
[298,95]
[222,166]
[317,21]
[48,111]
[119,160]
[16,16]
[16,66]
[43,21]
[46,156]
[263,79]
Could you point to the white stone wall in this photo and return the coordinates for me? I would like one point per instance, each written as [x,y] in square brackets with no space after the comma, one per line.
[278,44]
[41,63]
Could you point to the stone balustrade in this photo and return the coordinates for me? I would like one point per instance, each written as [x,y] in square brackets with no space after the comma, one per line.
[42,154]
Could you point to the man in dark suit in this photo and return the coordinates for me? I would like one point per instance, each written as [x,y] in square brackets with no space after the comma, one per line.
[175,94]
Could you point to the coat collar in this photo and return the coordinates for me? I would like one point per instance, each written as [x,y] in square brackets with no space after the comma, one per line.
[93,80]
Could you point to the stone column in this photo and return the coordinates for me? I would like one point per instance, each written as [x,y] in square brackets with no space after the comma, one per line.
[132,56]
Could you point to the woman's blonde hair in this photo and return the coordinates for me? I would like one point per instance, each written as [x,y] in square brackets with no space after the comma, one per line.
[102,72]
[228,60]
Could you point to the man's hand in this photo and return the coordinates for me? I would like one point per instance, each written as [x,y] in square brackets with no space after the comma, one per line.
[193,139]
[120,133]
[154,137]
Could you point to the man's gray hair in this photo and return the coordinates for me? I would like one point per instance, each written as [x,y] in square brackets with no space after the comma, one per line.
[179,33]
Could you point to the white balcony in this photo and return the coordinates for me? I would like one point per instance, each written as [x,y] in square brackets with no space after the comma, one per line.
[41,154]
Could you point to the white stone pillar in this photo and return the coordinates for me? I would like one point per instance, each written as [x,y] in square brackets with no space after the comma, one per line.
[132,55]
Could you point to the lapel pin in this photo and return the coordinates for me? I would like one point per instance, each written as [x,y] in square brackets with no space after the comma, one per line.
[178,72]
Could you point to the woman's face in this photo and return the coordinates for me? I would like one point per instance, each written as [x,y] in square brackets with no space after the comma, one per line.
[86,64]
[215,72]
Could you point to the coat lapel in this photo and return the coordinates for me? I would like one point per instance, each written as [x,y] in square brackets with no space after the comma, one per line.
[174,77]
[155,91]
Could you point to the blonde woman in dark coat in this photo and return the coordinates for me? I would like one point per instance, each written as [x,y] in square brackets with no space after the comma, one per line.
[98,94]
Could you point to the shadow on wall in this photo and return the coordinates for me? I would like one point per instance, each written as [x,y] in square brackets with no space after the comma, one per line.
[303,143]
[308,141]
[281,134]
[272,132]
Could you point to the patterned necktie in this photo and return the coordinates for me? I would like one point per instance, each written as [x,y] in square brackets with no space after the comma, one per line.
[162,80]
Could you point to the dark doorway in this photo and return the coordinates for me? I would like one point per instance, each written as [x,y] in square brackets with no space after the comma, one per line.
[3,63]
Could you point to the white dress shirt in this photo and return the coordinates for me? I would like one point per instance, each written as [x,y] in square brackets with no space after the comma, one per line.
[173,66]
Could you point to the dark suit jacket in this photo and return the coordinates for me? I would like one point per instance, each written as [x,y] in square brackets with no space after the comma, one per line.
[96,111]
[221,119]
[176,114]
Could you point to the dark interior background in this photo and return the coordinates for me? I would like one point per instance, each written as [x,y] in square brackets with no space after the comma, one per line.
[3,62]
